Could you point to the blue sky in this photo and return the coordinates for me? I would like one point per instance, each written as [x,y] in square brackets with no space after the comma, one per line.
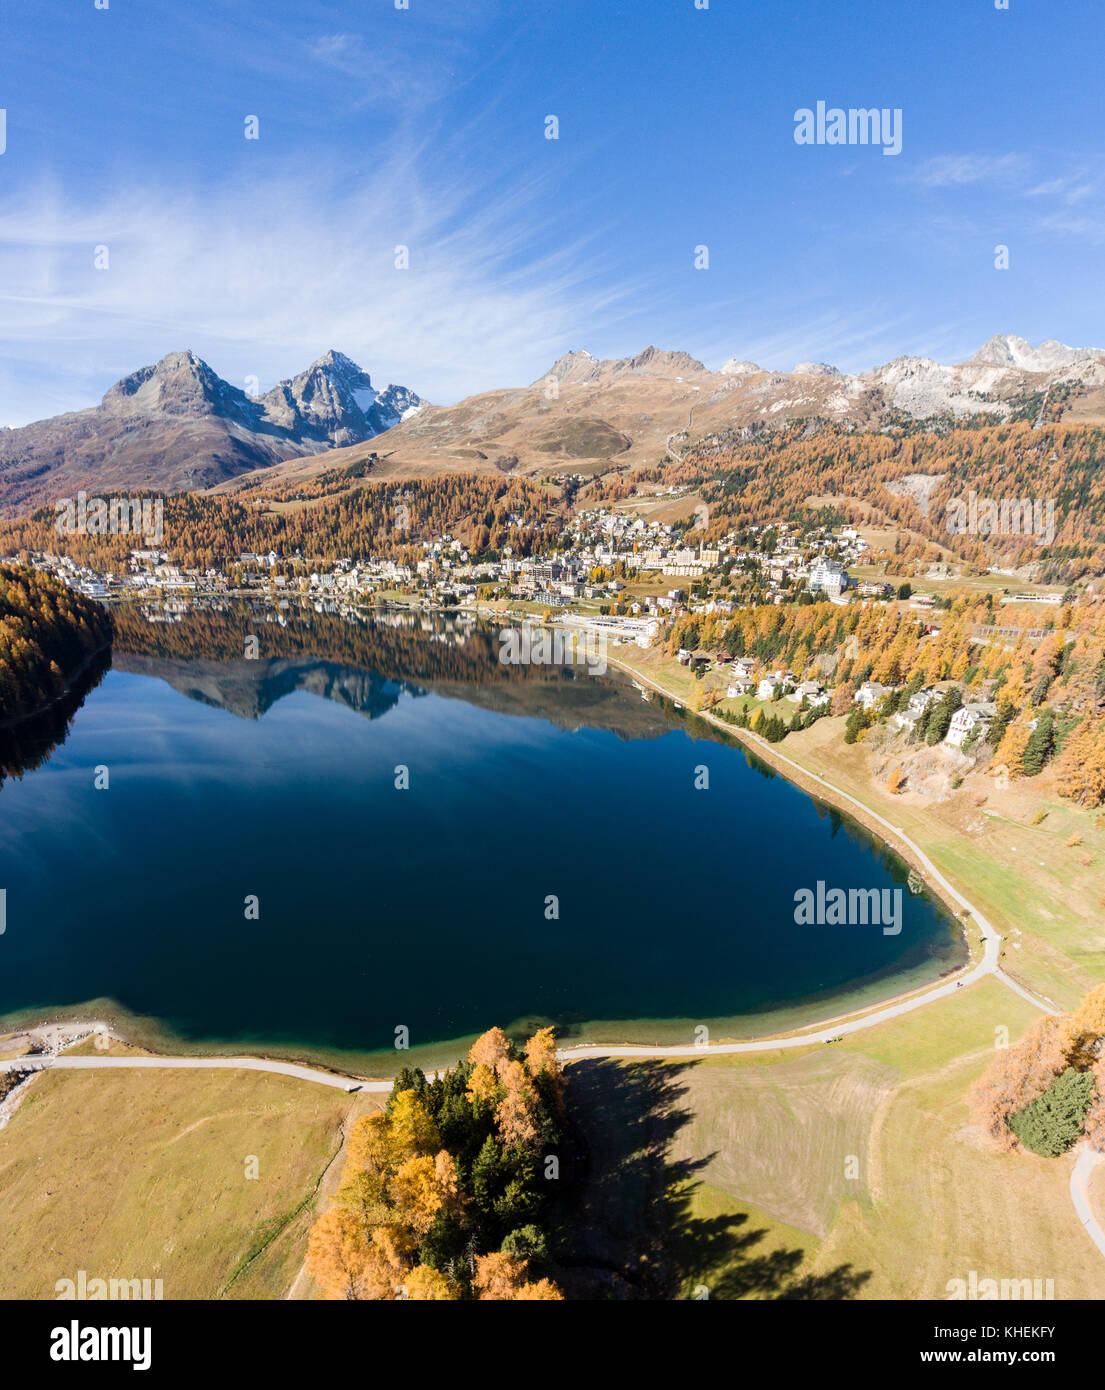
[425,127]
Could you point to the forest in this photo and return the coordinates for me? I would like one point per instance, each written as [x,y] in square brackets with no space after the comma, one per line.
[387,520]
[47,635]
[443,1195]
[909,479]
[1049,690]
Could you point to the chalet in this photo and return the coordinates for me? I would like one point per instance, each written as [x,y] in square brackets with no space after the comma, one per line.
[870,693]
[776,681]
[966,720]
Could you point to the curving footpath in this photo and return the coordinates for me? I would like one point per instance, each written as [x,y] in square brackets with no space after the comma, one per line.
[1079,1194]
[91,1063]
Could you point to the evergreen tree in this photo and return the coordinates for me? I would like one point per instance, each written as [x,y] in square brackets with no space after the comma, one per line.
[1041,744]
[856,723]
[1000,723]
[1051,1124]
[945,707]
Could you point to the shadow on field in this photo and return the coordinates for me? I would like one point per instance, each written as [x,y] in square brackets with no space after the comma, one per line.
[627,1230]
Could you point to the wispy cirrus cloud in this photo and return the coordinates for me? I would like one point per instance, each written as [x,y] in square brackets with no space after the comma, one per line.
[261,278]
[962,170]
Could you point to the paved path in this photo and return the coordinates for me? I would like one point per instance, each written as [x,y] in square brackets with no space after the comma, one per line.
[43,1062]
[1079,1194]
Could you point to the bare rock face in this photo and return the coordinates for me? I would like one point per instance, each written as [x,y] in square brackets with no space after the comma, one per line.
[334,403]
[178,425]
[1007,350]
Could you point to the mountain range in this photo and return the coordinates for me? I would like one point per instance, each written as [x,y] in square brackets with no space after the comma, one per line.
[586,415]
[177,425]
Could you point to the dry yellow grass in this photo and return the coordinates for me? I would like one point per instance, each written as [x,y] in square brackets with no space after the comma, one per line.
[864,1155]
[780,1140]
[140,1174]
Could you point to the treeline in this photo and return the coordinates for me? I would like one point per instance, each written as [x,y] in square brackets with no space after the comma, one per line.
[746,476]
[47,633]
[442,1196]
[387,520]
[1048,1090]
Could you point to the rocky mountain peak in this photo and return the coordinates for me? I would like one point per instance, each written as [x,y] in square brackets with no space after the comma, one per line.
[179,384]
[1008,350]
[815,369]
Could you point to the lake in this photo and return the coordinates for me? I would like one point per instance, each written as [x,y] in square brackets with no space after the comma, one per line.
[257,872]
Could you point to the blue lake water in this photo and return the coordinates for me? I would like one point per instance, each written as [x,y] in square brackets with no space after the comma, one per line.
[424,908]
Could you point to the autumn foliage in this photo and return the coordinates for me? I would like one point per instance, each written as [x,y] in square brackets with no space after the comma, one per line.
[47,632]
[442,1190]
[1020,1075]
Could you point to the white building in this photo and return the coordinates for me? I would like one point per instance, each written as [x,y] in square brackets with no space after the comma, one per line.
[966,719]
[870,693]
[827,577]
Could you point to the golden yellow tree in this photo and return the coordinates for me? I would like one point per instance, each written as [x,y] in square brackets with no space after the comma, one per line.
[492,1050]
[514,1115]
[541,1053]
[336,1253]
[483,1085]
[500,1277]
[1010,751]
[427,1285]
[411,1128]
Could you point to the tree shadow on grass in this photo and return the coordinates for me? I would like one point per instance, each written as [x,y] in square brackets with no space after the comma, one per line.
[626,1228]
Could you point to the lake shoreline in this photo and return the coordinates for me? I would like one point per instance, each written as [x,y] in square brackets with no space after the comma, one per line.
[71,683]
[815,1006]
[819,790]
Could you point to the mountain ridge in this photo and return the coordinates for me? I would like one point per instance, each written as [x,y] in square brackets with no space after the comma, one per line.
[177,425]
[588,415]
